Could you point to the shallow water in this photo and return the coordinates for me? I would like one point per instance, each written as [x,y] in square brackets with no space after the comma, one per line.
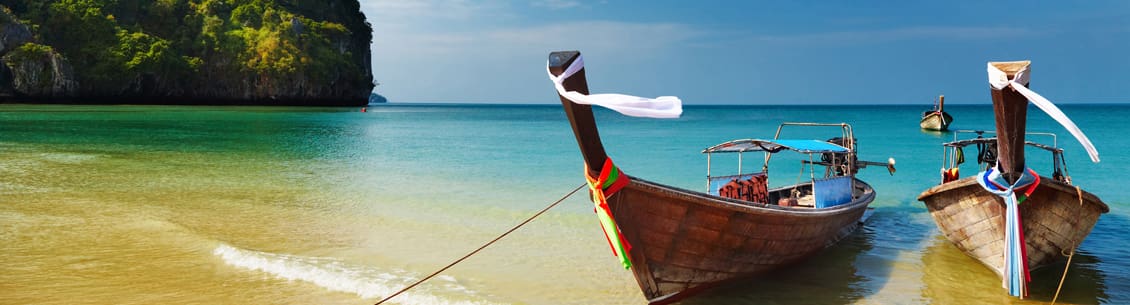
[145,204]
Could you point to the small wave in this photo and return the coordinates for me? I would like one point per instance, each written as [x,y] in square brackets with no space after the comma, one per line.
[366,282]
[67,158]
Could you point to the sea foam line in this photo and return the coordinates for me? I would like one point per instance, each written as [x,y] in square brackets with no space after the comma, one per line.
[334,275]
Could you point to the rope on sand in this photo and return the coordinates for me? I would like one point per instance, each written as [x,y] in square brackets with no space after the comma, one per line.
[483,246]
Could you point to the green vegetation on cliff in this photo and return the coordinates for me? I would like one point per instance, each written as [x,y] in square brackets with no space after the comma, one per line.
[245,51]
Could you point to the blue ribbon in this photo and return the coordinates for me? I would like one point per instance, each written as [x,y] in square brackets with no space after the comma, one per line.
[1015,258]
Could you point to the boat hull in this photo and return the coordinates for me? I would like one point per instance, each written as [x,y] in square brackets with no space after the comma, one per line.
[936,121]
[683,242]
[1055,218]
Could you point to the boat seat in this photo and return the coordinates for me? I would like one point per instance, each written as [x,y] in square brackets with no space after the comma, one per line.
[753,189]
[758,189]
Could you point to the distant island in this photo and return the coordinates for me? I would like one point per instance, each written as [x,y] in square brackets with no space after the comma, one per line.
[377,99]
[216,52]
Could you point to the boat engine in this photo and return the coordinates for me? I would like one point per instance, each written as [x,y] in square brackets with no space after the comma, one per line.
[840,159]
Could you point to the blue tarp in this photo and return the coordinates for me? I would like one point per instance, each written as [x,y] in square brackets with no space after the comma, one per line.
[832,191]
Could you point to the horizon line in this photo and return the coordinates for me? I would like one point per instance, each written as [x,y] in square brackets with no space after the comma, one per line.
[720,105]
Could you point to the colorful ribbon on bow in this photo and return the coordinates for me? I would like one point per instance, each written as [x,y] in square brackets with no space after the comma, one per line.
[609,182]
[1016,275]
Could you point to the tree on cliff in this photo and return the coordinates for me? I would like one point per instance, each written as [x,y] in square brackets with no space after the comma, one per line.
[195,51]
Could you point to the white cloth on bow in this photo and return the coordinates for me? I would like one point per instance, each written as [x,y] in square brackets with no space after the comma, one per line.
[999,80]
[663,107]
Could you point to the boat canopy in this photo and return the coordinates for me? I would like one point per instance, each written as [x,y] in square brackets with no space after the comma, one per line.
[772,146]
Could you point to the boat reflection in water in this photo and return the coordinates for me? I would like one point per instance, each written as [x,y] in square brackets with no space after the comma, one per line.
[831,277]
[949,277]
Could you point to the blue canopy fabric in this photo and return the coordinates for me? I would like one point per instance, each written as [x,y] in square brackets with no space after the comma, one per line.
[801,146]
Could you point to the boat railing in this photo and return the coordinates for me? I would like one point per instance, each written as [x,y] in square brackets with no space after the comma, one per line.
[957,134]
[953,153]
[712,179]
[847,132]
[834,166]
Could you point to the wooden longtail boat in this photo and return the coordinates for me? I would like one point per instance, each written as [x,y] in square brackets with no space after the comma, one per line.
[936,119]
[679,242]
[1053,218]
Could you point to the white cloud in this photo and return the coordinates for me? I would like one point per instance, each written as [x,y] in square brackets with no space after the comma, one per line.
[605,36]
[444,50]
[428,12]
[444,27]
[556,4]
[899,34]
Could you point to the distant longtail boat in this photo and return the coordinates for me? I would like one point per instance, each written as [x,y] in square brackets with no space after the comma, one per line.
[936,119]
[1008,217]
[679,242]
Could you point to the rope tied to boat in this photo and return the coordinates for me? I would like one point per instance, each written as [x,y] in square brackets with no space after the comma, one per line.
[1079,192]
[610,181]
[550,206]
[1016,275]
[1065,267]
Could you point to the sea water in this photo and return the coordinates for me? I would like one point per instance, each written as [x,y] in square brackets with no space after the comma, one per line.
[279,205]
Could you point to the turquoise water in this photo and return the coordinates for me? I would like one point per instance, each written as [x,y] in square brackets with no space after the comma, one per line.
[131,204]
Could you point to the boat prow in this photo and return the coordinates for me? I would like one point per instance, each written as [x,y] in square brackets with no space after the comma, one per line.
[1056,218]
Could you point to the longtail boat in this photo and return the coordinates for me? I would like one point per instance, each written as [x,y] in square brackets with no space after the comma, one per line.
[1008,217]
[679,242]
[936,119]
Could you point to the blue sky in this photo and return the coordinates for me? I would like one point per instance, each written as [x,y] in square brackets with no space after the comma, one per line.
[750,52]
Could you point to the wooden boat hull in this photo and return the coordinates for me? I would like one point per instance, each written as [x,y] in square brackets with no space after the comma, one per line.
[1056,218]
[936,121]
[683,242]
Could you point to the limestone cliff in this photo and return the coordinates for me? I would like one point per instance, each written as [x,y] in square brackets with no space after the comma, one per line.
[30,69]
[265,52]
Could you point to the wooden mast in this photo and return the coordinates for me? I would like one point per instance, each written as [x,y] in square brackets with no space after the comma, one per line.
[941,104]
[580,116]
[1010,110]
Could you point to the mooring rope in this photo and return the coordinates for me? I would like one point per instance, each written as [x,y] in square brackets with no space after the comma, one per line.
[1078,191]
[1065,267]
[484,245]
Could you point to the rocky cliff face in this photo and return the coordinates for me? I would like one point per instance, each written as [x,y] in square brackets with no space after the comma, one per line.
[263,52]
[28,69]
[12,33]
